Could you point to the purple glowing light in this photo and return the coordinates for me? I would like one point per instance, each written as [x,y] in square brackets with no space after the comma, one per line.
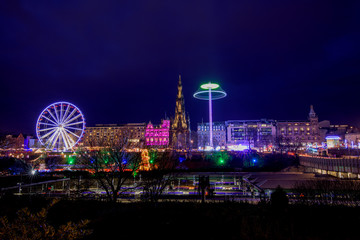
[158,135]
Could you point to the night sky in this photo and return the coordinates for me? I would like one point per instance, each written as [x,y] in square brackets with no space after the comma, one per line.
[119,61]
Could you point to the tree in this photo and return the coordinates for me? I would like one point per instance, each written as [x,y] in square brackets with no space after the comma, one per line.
[14,165]
[204,185]
[7,142]
[112,164]
[28,225]
[160,176]
[279,198]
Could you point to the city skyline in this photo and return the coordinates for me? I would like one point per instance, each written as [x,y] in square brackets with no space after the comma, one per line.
[120,63]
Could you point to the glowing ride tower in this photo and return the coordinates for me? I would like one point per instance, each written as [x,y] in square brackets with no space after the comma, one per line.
[210,91]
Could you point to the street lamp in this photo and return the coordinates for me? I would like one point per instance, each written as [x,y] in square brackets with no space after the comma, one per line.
[210,91]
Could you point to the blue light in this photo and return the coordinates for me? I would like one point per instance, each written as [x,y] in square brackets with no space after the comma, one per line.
[254,160]
[332,137]
[124,161]
[181,159]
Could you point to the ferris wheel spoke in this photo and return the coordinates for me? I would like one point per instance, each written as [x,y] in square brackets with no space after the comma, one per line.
[47,124]
[70,115]
[49,141]
[50,120]
[66,139]
[72,119]
[61,112]
[56,113]
[70,139]
[72,133]
[66,112]
[46,129]
[52,131]
[63,139]
[52,115]
[73,123]
[79,129]
[55,139]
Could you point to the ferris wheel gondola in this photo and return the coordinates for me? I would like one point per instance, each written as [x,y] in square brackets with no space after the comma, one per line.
[60,126]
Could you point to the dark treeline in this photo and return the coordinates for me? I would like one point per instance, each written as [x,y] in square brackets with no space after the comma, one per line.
[328,192]
[245,161]
[192,220]
[11,165]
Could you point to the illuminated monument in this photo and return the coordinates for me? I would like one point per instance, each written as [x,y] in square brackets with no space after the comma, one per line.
[210,91]
[180,127]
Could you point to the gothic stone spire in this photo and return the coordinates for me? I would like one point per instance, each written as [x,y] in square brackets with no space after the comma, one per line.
[180,126]
[180,122]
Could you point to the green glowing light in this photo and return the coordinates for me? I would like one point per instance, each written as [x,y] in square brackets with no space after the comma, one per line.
[209,86]
[71,160]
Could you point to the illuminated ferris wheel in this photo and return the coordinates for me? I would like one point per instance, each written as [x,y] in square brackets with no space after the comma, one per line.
[60,126]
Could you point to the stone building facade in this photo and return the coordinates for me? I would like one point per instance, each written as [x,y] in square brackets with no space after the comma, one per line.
[300,133]
[105,134]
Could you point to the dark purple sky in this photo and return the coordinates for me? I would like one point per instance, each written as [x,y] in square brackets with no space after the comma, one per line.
[119,61]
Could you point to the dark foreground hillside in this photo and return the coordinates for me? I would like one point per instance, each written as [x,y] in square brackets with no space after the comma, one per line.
[199,221]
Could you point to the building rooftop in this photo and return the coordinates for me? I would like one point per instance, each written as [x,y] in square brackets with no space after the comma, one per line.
[118,125]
